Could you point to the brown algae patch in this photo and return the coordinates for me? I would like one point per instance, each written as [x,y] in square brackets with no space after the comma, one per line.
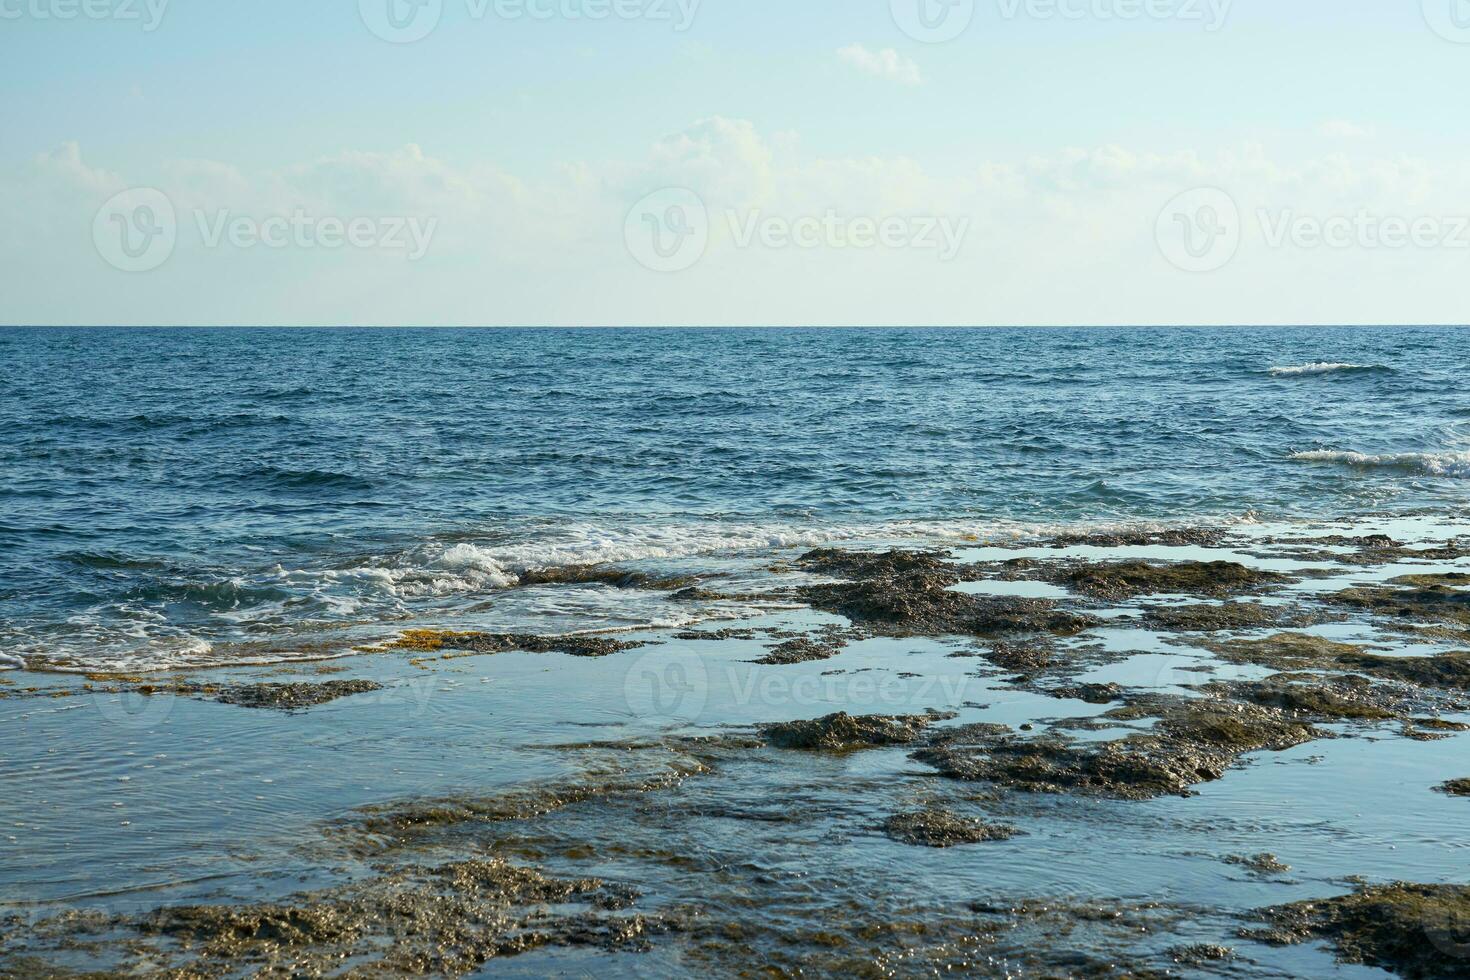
[1414,599]
[1223,617]
[1128,579]
[822,645]
[404,820]
[446,920]
[911,593]
[1301,651]
[293,697]
[842,732]
[941,828]
[1193,741]
[576,645]
[1416,931]
[1262,865]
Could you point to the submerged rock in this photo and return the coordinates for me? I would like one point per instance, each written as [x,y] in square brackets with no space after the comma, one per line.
[576,644]
[1179,537]
[925,605]
[1220,617]
[911,593]
[843,732]
[823,645]
[1432,598]
[940,828]
[292,697]
[1259,864]
[1325,699]
[1193,741]
[1127,579]
[1417,931]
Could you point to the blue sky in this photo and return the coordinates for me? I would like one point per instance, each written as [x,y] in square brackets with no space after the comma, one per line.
[1056,140]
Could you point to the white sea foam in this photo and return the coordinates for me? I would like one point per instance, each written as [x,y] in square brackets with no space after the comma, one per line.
[438,569]
[8,662]
[438,581]
[1321,367]
[1456,465]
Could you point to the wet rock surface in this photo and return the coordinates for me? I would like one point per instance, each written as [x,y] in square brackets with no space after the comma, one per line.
[821,645]
[940,828]
[1416,931]
[1192,742]
[576,645]
[1225,616]
[1259,864]
[842,732]
[292,697]
[1128,579]
[1455,787]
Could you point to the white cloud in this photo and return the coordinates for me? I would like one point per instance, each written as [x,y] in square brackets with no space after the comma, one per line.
[1061,237]
[887,63]
[1344,129]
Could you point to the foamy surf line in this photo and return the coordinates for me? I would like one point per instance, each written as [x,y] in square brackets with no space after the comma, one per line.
[1454,465]
[448,569]
[467,571]
[1323,367]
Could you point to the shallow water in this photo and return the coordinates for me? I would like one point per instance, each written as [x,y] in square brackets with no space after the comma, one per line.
[141,533]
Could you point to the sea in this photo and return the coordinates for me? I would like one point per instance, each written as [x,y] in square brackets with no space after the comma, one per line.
[202,531]
[190,497]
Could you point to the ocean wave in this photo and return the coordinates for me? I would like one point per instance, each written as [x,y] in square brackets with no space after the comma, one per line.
[1456,465]
[1325,367]
[446,569]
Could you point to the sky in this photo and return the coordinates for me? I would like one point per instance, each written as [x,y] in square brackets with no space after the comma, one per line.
[734,162]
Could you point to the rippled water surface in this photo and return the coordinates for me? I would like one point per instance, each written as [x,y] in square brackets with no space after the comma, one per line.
[189,515]
[178,497]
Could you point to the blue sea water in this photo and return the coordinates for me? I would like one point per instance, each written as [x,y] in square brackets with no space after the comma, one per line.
[186,497]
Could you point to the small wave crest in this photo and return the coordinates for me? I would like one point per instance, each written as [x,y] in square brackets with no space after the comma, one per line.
[1325,367]
[1456,465]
